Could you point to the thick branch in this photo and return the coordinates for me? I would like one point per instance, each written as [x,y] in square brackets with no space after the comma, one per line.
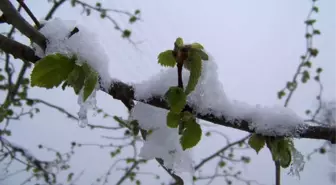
[17,49]
[14,18]
[125,93]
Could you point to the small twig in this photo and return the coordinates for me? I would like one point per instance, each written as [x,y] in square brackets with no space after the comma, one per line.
[220,151]
[31,15]
[53,9]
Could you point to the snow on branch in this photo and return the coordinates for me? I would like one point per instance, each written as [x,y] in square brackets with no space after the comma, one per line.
[74,54]
[125,92]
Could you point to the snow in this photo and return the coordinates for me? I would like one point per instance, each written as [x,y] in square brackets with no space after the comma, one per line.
[84,44]
[163,142]
[209,98]
[269,120]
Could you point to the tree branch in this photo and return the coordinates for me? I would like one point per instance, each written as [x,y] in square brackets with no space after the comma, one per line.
[125,93]
[53,9]
[14,18]
[17,49]
[31,15]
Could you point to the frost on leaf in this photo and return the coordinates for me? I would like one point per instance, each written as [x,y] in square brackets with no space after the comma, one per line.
[163,142]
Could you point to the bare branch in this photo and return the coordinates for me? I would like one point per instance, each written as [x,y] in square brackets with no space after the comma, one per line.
[17,49]
[31,15]
[53,9]
[14,18]
[125,93]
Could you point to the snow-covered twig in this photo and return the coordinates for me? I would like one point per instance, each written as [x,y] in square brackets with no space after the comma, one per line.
[124,92]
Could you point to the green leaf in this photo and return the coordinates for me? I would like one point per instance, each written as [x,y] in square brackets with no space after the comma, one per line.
[313,51]
[281,151]
[90,84]
[126,33]
[221,164]
[132,19]
[202,54]
[166,58]
[76,78]
[256,142]
[70,177]
[64,85]
[186,116]
[285,158]
[316,32]
[308,64]
[176,99]
[195,64]
[310,21]
[319,70]
[197,46]
[191,135]
[281,94]
[315,9]
[173,119]
[51,70]
[179,42]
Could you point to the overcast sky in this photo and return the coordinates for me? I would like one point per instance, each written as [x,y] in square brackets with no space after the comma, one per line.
[256,44]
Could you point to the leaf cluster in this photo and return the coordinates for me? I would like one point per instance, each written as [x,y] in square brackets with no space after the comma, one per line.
[190,56]
[52,70]
[281,148]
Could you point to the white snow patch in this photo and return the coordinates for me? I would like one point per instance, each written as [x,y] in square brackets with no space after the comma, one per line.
[270,120]
[163,142]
